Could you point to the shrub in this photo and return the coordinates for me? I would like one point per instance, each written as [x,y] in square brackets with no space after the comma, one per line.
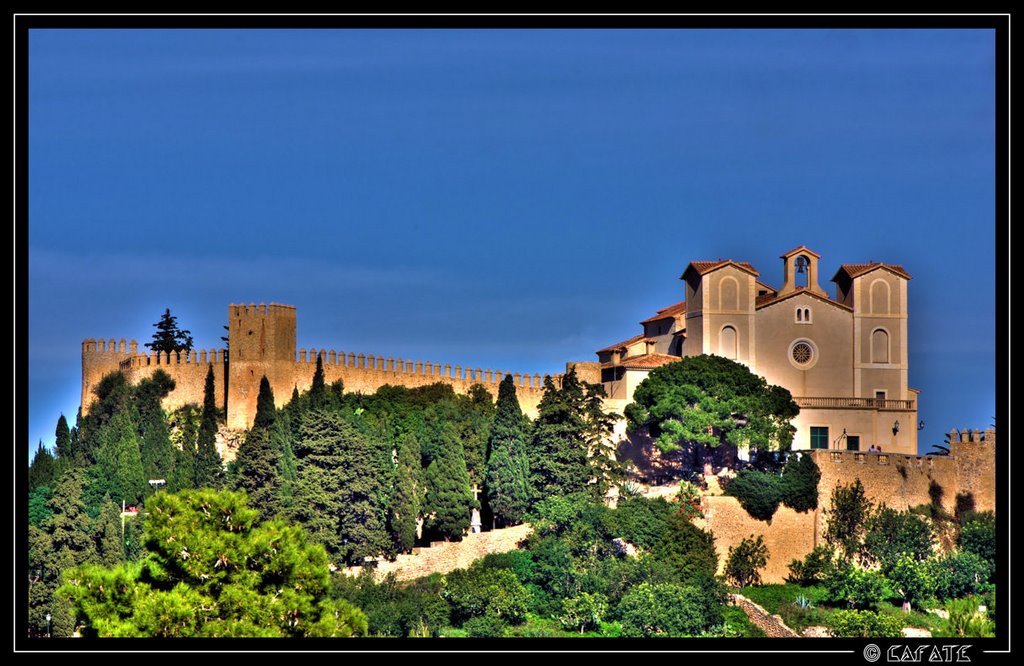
[863,624]
[485,626]
[759,493]
[959,574]
[848,517]
[912,579]
[965,621]
[859,588]
[891,533]
[978,536]
[800,483]
[664,610]
[745,561]
[688,499]
[583,612]
[480,591]
[813,569]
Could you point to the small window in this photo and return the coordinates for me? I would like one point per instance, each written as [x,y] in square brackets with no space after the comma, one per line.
[819,437]
[799,314]
[853,442]
[803,315]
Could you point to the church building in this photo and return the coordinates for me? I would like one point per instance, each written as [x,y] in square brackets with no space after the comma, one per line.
[844,359]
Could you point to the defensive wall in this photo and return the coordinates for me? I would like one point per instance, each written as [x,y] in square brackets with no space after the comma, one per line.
[897,480]
[262,342]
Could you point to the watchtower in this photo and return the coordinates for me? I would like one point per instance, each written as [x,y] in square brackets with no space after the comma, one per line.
[261,341]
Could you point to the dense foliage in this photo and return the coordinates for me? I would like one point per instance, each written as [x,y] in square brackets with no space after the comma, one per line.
[212,570]
[761,492]
[711,400]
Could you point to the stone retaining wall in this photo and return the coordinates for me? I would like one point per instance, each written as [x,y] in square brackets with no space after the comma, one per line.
[445,556]
[771,625]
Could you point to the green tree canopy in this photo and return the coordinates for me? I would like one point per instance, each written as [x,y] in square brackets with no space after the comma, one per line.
[212,570]
[168,337]
[710,400]
[338,488]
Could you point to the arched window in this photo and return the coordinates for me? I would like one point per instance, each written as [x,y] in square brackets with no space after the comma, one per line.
[727,343]
[879,346]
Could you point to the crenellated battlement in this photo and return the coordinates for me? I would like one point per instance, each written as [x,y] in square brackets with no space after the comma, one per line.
[433,370]
[199,357]
[262,343]
[101,346]
[975,436]
[261,310]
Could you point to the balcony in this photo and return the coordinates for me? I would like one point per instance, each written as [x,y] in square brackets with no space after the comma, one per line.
[855,403]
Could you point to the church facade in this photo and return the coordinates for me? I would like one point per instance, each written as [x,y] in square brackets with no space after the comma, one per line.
[843,358]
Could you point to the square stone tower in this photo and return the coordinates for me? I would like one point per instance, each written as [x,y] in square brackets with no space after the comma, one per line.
[261,341]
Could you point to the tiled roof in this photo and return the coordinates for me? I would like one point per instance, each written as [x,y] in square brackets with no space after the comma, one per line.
[620,345]
[704,267]
[644,362]
[664,313]
[856,270]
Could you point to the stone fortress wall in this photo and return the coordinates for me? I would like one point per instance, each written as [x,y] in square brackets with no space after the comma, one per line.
[896,480]
[262,342]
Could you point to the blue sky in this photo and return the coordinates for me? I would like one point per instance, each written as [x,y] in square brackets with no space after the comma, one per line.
[500,198]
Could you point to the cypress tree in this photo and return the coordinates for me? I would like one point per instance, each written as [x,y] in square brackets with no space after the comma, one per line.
[281,439]
[558,457]
[42,470]
[257,458]
[208,465]
[62,445]
[408,497]
[158,456]
[318,391]
[119,459]
[335,488]
[449,498]
[69,525]
[508,470]
[109,544]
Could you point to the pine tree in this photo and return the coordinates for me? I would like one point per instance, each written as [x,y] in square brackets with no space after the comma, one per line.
[109,544]
[508,469]
[208,465]
[408,498]
[119,459]
[558,457]
[257,458]
[42,470]
[168,337]
[449,498]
